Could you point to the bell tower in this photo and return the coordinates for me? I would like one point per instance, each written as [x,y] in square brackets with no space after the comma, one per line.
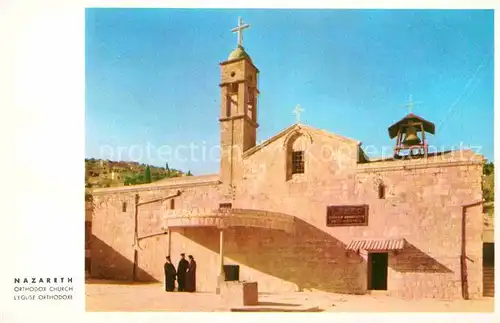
[410,135]
[238,113]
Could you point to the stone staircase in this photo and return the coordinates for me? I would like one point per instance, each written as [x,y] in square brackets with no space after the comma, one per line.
[489,281]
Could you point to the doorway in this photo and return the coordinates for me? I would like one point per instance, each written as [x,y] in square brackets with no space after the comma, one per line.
[488,269]
[377,271]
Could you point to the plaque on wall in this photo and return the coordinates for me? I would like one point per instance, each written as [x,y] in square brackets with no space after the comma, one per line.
[346,215]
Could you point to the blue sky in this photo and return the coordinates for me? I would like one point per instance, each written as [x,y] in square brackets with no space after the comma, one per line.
[152,77]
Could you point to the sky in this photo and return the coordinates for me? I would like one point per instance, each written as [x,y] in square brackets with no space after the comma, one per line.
[152,77]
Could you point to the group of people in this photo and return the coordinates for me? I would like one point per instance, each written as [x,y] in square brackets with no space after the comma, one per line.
[185,275]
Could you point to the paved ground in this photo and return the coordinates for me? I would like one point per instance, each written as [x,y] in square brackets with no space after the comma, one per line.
[109,296]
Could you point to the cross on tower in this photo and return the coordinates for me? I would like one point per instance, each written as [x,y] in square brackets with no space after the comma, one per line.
[239,30]
[410,104]
[297,111]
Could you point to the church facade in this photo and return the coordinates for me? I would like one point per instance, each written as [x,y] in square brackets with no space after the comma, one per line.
[303,210]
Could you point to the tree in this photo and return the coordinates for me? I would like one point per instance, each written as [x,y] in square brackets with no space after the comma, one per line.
[147,175]
[140,178]
[488,168]
[129,181]
[189,173]
[167,169]
[488,182]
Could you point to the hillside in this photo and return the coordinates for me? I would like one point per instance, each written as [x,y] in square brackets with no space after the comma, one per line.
[106,173]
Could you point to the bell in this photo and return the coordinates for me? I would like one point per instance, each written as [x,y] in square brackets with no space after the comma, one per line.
[411,137]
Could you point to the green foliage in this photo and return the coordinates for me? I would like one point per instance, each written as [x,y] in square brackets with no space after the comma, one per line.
[147,175]
[129,180]
[488,168]
[488,182]
[189,173]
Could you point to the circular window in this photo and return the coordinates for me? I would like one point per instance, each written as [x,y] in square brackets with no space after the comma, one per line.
[233,74]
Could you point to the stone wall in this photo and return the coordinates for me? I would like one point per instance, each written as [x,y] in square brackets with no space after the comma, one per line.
[112,247]
[423,203]
[425,206]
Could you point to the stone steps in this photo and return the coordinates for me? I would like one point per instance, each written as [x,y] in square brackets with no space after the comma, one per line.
[488,281]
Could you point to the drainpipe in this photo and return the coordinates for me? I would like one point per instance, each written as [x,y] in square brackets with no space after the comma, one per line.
[136,227]
[221,276]
[136,236]
[463,252]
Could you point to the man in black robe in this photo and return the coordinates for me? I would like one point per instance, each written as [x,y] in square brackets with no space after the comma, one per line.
[181,273]
[191,275]
[169,275]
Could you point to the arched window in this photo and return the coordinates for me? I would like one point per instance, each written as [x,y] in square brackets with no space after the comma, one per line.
[124,207]
[296,149]
[232,99]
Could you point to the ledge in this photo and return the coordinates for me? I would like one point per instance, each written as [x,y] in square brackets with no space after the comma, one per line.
[225,218]
[155,186]
[240,116]
[412,165]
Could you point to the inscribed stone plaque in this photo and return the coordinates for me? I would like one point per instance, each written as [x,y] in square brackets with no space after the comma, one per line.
[346,215]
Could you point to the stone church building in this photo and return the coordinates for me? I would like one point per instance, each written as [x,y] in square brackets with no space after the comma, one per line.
[304,209]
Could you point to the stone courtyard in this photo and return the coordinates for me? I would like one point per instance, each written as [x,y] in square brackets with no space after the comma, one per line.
[138,297]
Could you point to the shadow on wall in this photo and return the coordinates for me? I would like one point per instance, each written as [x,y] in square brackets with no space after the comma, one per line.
[107,263]
[308,257]
[412,259]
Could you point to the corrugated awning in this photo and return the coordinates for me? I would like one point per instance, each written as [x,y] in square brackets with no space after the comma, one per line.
[376,244]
